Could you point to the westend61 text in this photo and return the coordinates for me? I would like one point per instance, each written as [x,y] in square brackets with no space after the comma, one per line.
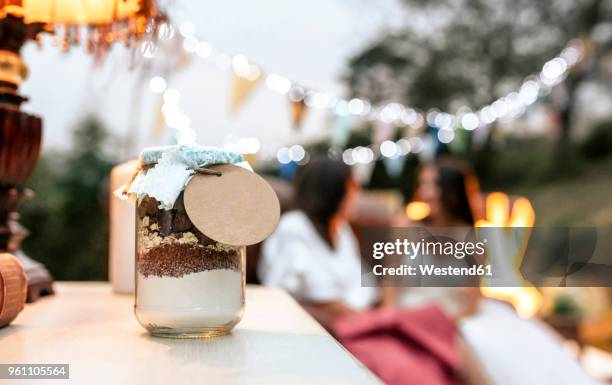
[435,271]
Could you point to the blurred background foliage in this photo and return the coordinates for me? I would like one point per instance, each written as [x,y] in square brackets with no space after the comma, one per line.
[68,218]
[469,52]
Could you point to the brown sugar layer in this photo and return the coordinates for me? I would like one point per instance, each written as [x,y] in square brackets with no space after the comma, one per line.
[178,259]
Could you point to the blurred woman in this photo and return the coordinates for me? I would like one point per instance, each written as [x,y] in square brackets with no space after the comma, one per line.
[313,254]
[510,350]
[451,191]
[450,188]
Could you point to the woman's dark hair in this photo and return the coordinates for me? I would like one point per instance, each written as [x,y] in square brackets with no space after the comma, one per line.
[457,184]
[320,187]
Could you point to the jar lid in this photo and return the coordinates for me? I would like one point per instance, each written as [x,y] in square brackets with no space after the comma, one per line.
[13,288]
[236,207]
[192,154]
[164,171]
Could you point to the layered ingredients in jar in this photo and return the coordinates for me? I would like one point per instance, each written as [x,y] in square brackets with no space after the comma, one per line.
[183,277]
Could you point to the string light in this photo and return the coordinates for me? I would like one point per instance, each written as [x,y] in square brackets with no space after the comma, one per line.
[551,74]
[470,121]
[157,84]
[416,144]
[296,153]
[511,106]
[446,135]
[249,145]
[187,29]
[388,149]
[358,155]
[282,155]
[356,106]
[347,157]
[203,49]
[403,147]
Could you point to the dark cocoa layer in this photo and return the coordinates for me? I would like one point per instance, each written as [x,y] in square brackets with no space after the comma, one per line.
[176,260]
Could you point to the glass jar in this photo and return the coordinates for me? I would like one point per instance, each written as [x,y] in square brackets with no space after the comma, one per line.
[187,285]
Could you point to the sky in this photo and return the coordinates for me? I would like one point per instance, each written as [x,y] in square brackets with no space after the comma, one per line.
[309,42]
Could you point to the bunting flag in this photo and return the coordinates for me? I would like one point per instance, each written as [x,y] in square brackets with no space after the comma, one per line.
[251,159]
[242,88]
[298,111]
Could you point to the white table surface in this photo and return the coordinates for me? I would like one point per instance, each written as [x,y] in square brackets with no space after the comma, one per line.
[95,331]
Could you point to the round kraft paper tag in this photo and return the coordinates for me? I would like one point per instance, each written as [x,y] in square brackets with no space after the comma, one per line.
[238,208]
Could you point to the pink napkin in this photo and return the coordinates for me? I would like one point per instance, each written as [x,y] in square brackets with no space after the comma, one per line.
[403,347]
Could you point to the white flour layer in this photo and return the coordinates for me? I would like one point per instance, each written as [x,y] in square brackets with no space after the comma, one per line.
[204,299]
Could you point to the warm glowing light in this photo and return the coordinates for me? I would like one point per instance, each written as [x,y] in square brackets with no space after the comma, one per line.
[483,223]
[78,11]
[523,214]
[498,208]
[525,300]
[417,211]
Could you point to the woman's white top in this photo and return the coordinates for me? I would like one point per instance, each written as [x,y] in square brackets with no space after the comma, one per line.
[297,259]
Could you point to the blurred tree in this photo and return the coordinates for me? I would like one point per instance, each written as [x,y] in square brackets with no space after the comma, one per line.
[453,53]
[68,217]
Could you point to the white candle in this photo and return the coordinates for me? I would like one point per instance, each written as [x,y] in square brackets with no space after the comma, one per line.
[122,229]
